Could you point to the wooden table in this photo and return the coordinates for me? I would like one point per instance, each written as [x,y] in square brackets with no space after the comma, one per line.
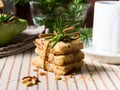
[92,76]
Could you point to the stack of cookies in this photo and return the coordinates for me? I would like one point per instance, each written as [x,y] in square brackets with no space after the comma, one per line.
[63,58]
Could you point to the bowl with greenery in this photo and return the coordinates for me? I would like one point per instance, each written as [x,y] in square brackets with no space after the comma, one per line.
[10,26]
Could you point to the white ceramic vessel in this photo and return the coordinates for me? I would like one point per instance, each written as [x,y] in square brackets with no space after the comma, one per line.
[106,27]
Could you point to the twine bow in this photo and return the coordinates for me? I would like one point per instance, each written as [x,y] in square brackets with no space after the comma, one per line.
[61,36]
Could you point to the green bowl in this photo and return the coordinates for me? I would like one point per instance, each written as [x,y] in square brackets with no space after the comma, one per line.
[9,31]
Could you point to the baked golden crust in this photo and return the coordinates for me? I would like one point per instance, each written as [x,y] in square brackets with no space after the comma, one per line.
[61,70]
[61,47]
[63,58]
[60,60]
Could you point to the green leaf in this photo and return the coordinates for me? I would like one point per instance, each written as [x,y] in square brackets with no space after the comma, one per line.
[85,34]
[7,18]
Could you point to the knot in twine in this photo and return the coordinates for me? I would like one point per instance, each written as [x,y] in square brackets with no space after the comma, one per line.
[63,34]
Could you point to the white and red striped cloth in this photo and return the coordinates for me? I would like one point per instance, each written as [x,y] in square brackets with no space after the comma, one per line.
[93,76]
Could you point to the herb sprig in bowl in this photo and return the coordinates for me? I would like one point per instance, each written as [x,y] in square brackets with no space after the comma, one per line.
[10,27]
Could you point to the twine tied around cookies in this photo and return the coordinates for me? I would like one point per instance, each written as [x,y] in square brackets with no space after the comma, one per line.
[54,38]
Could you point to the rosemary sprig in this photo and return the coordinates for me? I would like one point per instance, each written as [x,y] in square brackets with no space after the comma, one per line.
[71,11]
[85,34]
[60,33]
[58,27]
[65,33]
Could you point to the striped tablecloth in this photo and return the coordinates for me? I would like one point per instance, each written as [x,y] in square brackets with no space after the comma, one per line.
[93,76]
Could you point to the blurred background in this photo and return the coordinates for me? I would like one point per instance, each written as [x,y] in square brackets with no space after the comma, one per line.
[24,12]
